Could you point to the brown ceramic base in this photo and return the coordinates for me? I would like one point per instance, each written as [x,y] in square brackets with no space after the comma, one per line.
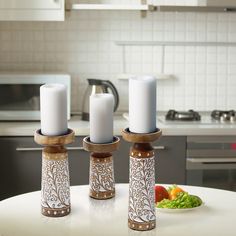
[55,185]
[101,173]
[141,213]
[101,176]
[101,195]
[50,212]
[141,226]
[55,182]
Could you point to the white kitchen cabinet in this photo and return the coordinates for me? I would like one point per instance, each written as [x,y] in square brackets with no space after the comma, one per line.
[196,3]
[32,10]
[157,5]
[218,3]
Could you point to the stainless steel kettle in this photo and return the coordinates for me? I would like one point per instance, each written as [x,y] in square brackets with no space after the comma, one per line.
[98,86]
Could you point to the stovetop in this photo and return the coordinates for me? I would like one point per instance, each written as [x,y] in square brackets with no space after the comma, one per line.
[192,117]
[224,115]
[189,115]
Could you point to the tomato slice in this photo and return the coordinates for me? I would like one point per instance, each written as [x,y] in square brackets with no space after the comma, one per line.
[160,193]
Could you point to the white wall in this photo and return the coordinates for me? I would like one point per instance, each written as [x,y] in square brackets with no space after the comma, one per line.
[84,46]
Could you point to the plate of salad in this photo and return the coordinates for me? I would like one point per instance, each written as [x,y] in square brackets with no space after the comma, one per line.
[175,199]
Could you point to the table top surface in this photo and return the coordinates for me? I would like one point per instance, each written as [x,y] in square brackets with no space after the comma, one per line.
[21,215]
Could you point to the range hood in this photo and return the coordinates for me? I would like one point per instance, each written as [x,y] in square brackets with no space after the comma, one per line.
[160,5]
[197,6]
[218,3]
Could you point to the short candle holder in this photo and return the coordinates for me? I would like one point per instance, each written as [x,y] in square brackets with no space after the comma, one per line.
[141,212]
[101,173]
[55,185]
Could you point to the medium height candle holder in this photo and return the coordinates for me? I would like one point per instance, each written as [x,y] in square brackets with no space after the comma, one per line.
[55,185]
[141,212]
[101,173]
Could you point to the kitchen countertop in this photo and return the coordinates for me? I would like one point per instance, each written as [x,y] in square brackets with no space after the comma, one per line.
[27,128]
[20,215]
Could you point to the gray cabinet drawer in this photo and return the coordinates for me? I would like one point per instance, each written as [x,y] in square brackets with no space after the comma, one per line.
[171,160]
[21,163]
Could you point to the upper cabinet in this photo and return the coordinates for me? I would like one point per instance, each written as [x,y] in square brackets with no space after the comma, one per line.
[218,3]
[155,5]
[32,10]
[54,10]
[196,3]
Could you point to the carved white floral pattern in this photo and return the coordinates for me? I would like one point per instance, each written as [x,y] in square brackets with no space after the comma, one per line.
[55,192]
[141,190]
[101,177]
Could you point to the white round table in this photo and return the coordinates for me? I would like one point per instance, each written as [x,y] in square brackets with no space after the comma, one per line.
[21,216]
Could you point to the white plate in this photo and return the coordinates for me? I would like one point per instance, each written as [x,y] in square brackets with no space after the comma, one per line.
[169,210]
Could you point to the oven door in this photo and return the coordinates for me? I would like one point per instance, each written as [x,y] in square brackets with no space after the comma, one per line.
[211,162]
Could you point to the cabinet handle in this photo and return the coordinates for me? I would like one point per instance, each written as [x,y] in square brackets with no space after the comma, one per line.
[219,160]
[24,149]
[159,147]
[75,148]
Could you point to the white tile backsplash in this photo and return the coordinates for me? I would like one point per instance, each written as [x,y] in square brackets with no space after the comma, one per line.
[84,46]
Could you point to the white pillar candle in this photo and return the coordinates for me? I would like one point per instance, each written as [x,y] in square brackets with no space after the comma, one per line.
[142,104]
[101,117]
[53,109]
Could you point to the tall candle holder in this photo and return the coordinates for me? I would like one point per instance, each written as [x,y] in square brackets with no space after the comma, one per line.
[141,212]
[101,173]
[55,183]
